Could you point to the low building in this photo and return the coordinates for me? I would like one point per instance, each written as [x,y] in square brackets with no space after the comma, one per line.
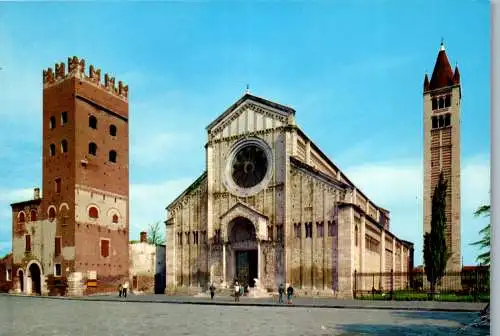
[6,273]
[147,267]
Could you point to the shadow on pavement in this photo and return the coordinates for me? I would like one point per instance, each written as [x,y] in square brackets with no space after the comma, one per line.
[462,318]
[390,329]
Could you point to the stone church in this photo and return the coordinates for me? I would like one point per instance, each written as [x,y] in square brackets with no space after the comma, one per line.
[272,208]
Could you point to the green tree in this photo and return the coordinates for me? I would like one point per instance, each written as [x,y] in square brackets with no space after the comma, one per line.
[485,242]
[155,234]
[435,252]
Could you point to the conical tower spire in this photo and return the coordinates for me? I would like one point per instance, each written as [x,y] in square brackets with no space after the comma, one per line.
[442,76]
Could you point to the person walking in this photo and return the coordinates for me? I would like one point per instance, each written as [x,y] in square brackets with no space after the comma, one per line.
[212,291]
[289,294]
[236,292]
[125,288]
[281,292]
[120,290]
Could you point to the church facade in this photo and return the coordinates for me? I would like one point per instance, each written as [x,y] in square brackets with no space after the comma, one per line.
[272,206]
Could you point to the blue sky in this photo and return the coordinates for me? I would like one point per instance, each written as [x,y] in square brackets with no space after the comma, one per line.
[352,70]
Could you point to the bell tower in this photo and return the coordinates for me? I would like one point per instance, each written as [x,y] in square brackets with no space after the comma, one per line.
[442,100]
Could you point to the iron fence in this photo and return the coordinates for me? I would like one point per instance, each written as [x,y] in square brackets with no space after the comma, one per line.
[465,285]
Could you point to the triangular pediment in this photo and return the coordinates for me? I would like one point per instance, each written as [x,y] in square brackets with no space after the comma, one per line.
[244,210]
[249,114]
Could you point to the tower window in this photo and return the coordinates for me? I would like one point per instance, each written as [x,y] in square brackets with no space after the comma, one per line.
[441,103]
[112,156]
[112,130]
[52,149]
[92,149]
[22,218]
[115,219]
[434,103]
[447,101]
[93,213]
[447,119]
[64,118]
[58,185]
[309,230]
[33,215]
[93,122]
[356,235]
[28,243]
[104,248]
[52,122]
[434,122]
[441,121]
[64,146]
[52,213]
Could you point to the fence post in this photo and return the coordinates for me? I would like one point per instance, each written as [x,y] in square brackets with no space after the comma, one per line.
[355,283]
[392,284]
[476,286]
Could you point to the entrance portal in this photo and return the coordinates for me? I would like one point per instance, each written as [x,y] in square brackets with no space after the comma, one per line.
[244,244]
[246,267]
[36,284]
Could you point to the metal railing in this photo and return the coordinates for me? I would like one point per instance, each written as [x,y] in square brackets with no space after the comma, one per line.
[466,285]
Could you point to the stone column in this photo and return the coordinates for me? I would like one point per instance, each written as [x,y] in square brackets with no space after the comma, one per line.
[308,152]
[362,242]
[382,257]
[224,265]
[259,262]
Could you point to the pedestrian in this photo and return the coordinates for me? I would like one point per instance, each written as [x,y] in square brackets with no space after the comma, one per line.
[281,292]
[212,291]
[236,292]
[289,294]
[125,288]
[120,290]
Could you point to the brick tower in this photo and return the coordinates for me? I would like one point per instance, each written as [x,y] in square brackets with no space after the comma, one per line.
[79,228]
[442,100]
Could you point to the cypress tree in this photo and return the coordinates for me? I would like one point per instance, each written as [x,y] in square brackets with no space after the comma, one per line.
[435,252]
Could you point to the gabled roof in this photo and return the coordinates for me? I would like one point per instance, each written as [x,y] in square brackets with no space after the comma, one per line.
[245,206]
[248,96]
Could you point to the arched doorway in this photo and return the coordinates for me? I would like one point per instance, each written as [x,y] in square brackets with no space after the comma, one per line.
[243,241]
[20,278]
[36,283]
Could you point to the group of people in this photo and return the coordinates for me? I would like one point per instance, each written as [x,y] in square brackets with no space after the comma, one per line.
[122,289]
[239,291]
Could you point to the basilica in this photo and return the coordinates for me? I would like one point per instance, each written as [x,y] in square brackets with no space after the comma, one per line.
[272,208]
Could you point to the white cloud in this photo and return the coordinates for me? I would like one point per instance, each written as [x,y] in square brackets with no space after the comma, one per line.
[398,187]
[158,147]
[148,202]
[10,196]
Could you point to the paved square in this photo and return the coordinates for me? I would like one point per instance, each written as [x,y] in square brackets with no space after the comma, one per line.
[44,316]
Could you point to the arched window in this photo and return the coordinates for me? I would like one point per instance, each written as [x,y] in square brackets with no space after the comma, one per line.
[52,122]
[33,215]
[447,120]
[434,103]
[92,149]
[115,219]
[441,103]
[22,217]
[112,130]
[52,149]
[52,213]
[434,122]
[447,101]
[93,122]
[112,156]
[441,121]
[64,146]
[356,235]
[93,213]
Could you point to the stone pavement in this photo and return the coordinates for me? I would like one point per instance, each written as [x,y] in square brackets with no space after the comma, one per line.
[304,302]
[110,316]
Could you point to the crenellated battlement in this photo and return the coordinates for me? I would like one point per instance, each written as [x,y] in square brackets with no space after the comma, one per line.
[76,68]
